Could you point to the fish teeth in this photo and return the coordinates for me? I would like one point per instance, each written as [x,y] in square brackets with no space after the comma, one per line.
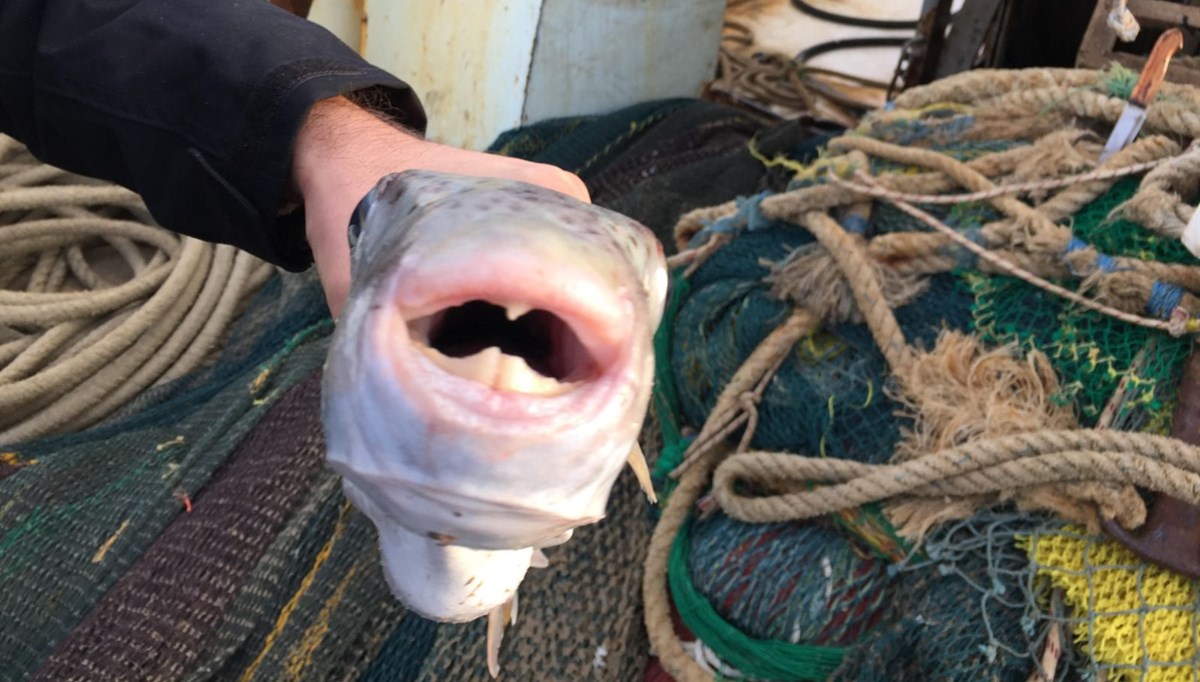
[515,310]
[514,374]
[480,367]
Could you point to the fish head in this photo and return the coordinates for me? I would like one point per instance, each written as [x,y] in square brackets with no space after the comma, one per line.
[488,376]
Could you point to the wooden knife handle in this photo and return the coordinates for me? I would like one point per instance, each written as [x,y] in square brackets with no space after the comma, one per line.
[1155,70]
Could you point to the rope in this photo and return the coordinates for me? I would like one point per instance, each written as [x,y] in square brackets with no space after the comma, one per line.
[1015,188]
[789,205]
[1159,463]
[980,86]
[1046,241]
[1122,22]
[655,595]
[850,255]
[1176,326]
[1158,204]
[781,86]
[734,406]
[96,302]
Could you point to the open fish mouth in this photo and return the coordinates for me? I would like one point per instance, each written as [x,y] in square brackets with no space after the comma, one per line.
[511,347]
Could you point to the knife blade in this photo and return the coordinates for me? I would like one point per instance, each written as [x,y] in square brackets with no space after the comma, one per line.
[1133,116]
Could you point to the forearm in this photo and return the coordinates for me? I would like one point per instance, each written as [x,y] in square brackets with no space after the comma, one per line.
[195,104]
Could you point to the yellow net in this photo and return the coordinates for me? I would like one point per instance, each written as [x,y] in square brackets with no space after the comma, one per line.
[1139,621]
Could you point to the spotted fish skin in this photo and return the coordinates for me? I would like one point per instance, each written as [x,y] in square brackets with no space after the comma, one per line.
[466,466]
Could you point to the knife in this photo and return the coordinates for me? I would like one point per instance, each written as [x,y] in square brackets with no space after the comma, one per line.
[1148,83]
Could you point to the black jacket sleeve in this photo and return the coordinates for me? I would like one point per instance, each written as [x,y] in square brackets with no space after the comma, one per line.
[194,104]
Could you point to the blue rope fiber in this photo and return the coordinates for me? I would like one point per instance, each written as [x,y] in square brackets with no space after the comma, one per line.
[856,224]
[1164,297]
[749,217]
[914,131]
[1105,262]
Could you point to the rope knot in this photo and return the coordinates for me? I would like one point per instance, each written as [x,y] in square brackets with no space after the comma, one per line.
[1182,323]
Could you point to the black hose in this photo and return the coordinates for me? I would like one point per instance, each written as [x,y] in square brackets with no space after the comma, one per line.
[847,44]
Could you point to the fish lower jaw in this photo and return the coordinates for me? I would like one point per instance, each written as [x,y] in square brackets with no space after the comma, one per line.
[499,371]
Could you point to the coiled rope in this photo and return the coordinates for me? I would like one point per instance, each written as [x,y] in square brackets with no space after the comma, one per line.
[97,303]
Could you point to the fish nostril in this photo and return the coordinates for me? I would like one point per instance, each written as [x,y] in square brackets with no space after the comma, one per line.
[542,339]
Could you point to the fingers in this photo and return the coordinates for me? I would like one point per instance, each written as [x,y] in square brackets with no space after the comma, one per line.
[545,175]
[575,186]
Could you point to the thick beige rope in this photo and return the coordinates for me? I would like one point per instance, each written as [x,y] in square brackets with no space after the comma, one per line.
[1163,116]
[824,197]
[1174,326]
[656,596]
[1158,204]
[1158,463]
[733,407]
[1100,176]
[96,302]
[983,85]
[850,254]
[1031,229]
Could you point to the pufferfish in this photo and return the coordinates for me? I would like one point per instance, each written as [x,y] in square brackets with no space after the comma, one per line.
[487,380]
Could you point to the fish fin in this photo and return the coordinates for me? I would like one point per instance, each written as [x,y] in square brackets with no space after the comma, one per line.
[499,618]
[637,461]
[539,559]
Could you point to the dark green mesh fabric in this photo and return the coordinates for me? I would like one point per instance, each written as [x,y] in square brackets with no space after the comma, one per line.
[730,558]
[828,397]
[91,504]
[697,156]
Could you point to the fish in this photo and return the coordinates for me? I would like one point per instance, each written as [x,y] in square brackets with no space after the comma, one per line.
[487,381]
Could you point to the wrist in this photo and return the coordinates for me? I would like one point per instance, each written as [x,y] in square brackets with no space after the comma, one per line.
[340,152]
[340,141]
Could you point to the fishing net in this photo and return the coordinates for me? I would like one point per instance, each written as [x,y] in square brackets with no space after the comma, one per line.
[907,379]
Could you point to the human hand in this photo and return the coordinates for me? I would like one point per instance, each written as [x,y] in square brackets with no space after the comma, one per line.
[342,150]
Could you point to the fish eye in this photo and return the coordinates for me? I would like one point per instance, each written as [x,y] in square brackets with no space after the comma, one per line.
[354,232]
